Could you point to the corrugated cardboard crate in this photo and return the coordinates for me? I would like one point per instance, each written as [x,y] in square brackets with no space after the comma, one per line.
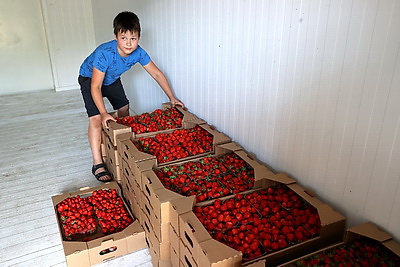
[112,152]
[132,200]
[103,145]
[180,206]
[114,129]
[174,257]
[214,254]
[150,182]
[161,248]
[160,230]
[155,257]
[115,170]
[132,154]
[134,169]
[193,233]
[159,204]
[174,240]
[81,254]
[366,230]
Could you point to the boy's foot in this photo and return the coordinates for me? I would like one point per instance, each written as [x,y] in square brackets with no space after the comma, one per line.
[101,173]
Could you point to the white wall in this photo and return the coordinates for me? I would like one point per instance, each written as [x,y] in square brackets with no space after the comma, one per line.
[24,58]
[310,87]
[70,34]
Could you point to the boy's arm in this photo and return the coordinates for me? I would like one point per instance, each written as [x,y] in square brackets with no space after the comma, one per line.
[95,89]
[157,75]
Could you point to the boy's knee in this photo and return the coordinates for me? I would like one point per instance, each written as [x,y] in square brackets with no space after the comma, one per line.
[95,121]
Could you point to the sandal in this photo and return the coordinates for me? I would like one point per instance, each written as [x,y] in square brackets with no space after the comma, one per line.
[101,174]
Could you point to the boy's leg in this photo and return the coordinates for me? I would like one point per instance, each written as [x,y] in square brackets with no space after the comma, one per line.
[94,129]
[124,111]
[94,135]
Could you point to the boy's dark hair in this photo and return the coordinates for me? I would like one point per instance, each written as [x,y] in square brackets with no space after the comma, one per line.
[126,21]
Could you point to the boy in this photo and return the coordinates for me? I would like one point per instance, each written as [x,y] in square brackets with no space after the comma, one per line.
[99,76]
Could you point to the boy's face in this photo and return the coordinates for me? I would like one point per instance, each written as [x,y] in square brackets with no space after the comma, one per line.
[127,42]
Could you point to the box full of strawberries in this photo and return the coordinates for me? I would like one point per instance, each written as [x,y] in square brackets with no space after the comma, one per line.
[95,225]
[159,120]
[363,245]
[276,222]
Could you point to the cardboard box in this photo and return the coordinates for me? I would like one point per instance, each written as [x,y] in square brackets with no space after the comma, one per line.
[181,206]
[332,230]
[113,160]
[129,176]
[174,257]
[112,152]
[133,155]
[177,207]
[216,254]
[260,263]
[197,244]
[186,258]
[332,226]
[368,230]
[150,182]
[192,233]
[132,203]
[114,129]
[126,183]
[161,249]
[372,231]
[133,195]
[139,161]
[128,150]
[81,254]
[136,163]
[159,203]
[160,229]
[174,240]
[155,258]
[114,170]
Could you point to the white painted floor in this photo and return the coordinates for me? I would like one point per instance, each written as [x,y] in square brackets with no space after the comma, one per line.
[44,152]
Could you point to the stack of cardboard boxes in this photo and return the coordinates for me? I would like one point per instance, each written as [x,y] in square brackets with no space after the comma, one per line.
[171,230]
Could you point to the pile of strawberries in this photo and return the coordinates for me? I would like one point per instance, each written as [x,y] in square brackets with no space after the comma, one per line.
[209,177]
[260,222]
[110,211]
[80,217]
[363,252]
[176,145]
[157,120]
[77,217]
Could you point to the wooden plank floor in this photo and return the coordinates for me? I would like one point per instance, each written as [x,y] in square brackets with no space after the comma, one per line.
[44,152]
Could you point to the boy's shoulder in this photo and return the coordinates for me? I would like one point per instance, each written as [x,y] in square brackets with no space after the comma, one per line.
[107,45]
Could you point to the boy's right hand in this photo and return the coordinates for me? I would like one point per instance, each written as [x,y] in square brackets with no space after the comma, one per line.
[105,117]
[175,101]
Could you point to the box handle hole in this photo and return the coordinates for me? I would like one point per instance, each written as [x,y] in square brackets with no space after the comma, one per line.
[148,190]
[188,262]
[108,250]
[189,239]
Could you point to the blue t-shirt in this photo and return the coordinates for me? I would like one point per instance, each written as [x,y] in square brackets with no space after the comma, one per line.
[106,59]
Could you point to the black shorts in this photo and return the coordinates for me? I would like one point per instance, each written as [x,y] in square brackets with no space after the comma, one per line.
[114,93]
